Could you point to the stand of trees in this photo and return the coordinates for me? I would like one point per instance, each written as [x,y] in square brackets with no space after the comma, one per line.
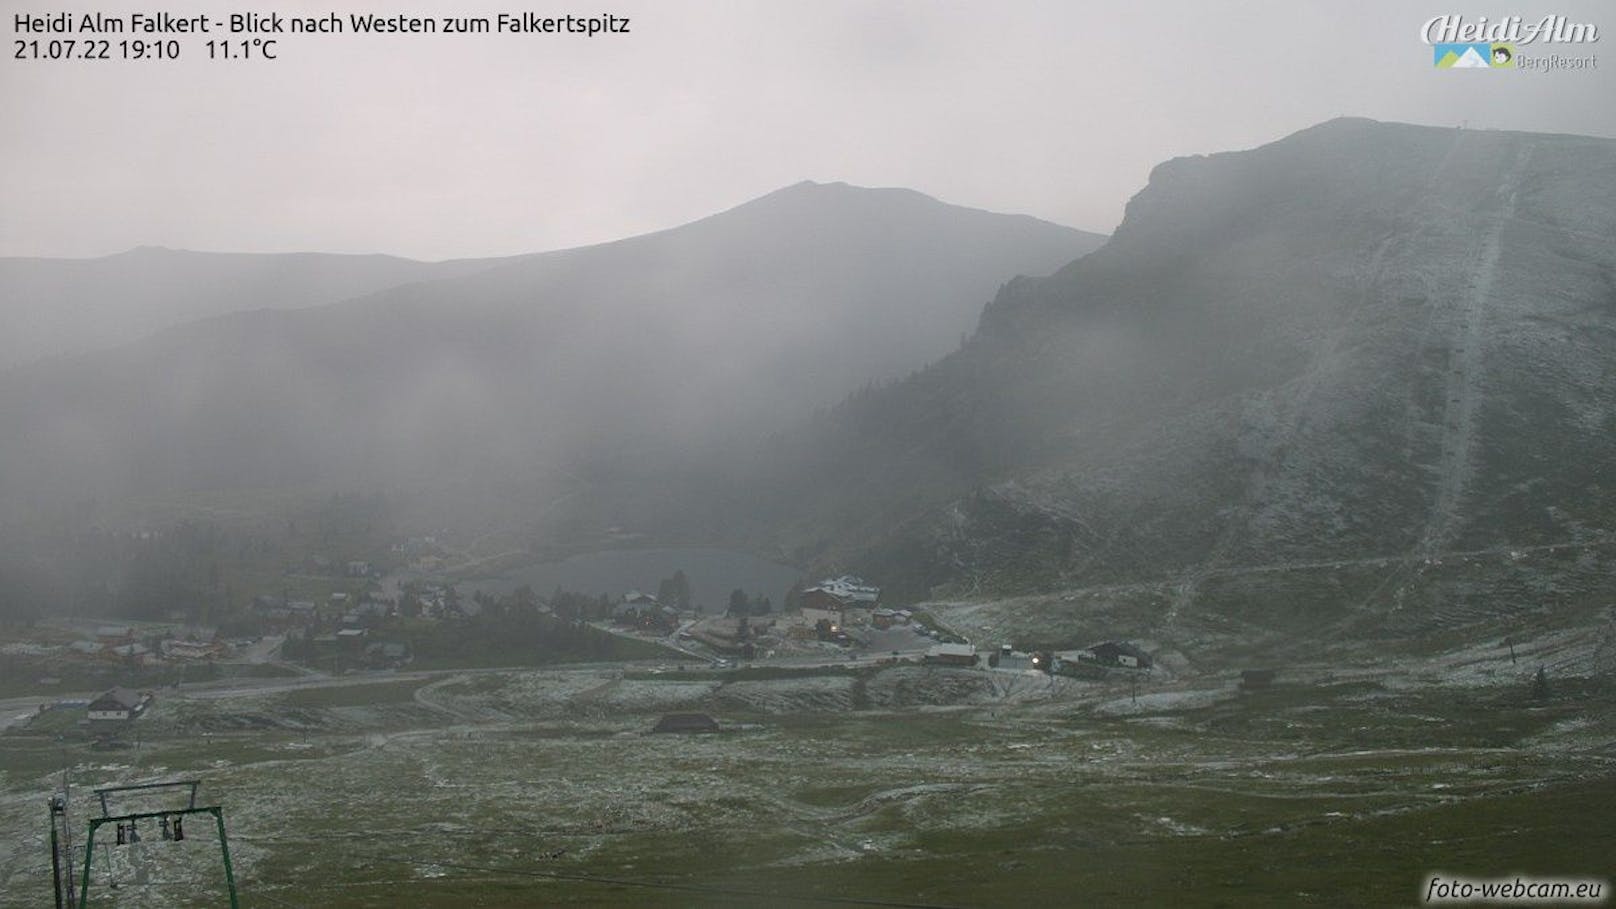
[743,605]
[503,630]
[675,591]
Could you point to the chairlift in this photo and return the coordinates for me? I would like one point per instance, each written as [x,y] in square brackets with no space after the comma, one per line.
[171,826]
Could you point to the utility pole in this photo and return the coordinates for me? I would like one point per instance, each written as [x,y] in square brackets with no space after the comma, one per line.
[61,846]
[57,810]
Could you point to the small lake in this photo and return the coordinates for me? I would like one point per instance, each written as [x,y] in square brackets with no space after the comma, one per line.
[713,573]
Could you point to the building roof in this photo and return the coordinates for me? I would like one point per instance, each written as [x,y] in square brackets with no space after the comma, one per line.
[849,587]
[125,698]
[1111,650]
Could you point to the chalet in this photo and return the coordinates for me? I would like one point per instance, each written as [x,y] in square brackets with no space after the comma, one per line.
[890,618]
[633,604]
[818,604]
[1115,653]
[820,598]
[952,654]
[118,705]
[1080,664]
[851,589]
[642,610]
[686,722]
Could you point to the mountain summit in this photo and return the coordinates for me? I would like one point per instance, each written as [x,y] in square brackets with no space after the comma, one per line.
[555,364]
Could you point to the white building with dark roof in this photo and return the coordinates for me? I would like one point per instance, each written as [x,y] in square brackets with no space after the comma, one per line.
[118,705]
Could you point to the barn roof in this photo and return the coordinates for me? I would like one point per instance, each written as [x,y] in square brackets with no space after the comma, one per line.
[126,698]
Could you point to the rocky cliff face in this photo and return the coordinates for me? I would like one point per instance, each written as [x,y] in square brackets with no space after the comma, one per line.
[1300,382]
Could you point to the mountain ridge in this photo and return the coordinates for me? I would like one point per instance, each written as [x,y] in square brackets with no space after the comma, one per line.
[775,306]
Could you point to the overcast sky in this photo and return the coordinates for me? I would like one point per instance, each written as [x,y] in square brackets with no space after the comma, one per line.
[446,146]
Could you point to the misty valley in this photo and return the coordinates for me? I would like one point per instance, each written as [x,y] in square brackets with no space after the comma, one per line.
[844,547]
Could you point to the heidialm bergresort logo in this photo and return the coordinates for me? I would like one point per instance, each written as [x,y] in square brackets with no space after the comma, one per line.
[1474,56]
[1458,42]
